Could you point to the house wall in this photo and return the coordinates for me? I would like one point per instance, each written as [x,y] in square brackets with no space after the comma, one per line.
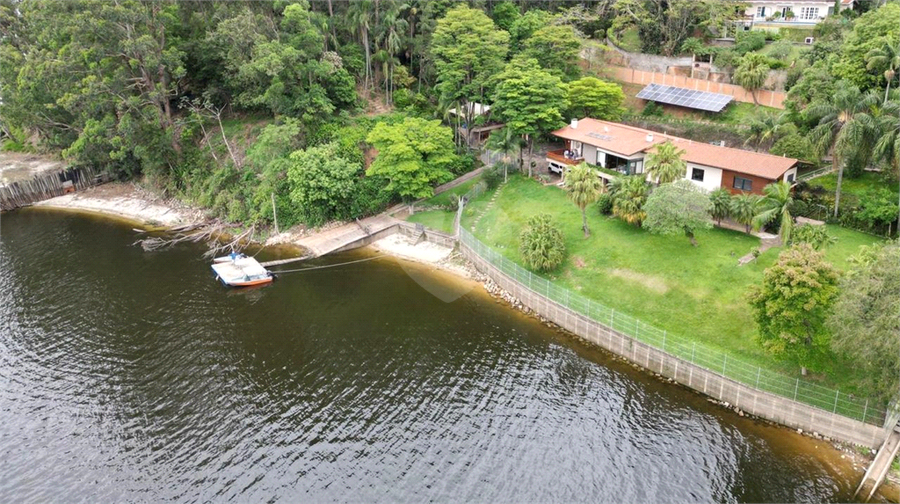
[787,175]
[590,155]
[712,177]
[758,182]
[794,5]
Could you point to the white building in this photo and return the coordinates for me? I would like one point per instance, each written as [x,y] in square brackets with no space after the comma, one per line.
[791,12]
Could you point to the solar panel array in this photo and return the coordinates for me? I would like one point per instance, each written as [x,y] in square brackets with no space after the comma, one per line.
[598,136]
[701,100]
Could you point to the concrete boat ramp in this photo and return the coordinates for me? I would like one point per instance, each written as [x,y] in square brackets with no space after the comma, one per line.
[347,236]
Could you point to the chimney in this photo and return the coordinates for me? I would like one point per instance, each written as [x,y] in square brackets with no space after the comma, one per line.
[574,124]
[606,129]
[649,137]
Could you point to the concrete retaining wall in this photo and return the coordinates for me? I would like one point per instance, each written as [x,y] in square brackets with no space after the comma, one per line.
[756,402]
[411,230]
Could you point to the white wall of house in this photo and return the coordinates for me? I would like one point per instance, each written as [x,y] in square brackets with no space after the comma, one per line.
[590,154]
[712,177]
[790,176]
[804,12]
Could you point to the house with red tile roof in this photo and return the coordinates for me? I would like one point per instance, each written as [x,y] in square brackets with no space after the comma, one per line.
[622,148]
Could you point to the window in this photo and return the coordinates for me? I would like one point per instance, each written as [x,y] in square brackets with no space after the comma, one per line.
[697,174]
[760,12]
[809,12]
[790,177]
[743,184]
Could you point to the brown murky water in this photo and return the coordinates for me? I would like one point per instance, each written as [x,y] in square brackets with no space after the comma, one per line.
[133,376]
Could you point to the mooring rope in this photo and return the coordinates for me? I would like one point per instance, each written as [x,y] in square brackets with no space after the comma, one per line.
[330,265]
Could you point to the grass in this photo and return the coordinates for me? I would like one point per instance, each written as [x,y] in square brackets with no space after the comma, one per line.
[446,198]
[859,186]
[630,40]
[439,220]
[696,292]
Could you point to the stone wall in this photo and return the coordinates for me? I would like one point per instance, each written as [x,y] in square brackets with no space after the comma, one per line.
[756,402]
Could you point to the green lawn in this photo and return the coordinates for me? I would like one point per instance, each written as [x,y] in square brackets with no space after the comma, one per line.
[446,197]
[868,181]
[439,220]
[696,292]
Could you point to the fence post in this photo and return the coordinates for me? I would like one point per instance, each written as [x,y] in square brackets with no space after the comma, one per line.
[529,280]
[724,364]
[693,348]
[758,370]
[836,393]
[796,387]
[612,319]
[664,340]
[865,410]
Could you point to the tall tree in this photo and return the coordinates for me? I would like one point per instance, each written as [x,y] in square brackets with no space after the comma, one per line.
[792,305]
[676,208]
[506,142]
[359,15]
[629,194]
[864,320]
[592,97]
[752,72]
[765,127]
[468,49]
[844,127]
[414,155]
[321,183]
[886,58]
[584,187]
[776,205]
[664,163]
[530,100]
[556,48]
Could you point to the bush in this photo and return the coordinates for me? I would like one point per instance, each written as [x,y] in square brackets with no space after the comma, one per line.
[816,236]
[748,41]
[726,58]
[493,175]
[541,244]
[652,109]
[462,164]
[605,204]
[781,49]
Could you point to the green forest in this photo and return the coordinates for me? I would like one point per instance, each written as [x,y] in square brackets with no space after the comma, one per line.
[337,109]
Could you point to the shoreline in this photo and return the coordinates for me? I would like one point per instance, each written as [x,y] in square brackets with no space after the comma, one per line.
[130,203]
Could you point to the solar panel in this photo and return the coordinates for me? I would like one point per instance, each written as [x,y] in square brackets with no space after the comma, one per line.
[701,100]
[598,136]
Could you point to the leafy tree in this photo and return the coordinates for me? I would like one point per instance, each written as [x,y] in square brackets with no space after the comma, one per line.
[721,204]
[795,145]
[816,236]
[468,49]
[870,31]
[676,208]
[592,97]
[887,147]
[584,187]
[556,48]
[414,155]
[749,41]
[629,196]
[523,27]
[844,126]
[692,45]
[886,57]
[664,163]
[505,14]
[864,320]
[776,205]
[542,244]
[744,208]
[752,72]
[529,100]
[792,305]
[321,183]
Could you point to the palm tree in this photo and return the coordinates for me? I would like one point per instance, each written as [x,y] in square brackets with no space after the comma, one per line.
[888,57]
[752,73]
[887,148]
[776,205]
[744,208]
[360,16]
[765,128]
[844,127]
[721,204]
[505,141]
[584,188]
[665,164]
[629,196]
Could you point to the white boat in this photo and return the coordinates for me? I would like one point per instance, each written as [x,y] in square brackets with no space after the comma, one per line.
[238,270]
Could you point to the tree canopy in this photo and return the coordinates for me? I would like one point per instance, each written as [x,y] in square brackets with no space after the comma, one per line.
[414,155]
[542,244]
[678,208]
[592,97]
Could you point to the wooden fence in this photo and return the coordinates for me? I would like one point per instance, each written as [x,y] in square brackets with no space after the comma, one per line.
[48,185]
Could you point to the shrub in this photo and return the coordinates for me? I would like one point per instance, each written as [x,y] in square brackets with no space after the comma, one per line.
[652,109]
[748,41]
[815,236]
[605,204]
[781,49]
[541,244]
[493,175]
[462,164]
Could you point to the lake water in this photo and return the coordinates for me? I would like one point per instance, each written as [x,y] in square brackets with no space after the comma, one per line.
[134,376]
